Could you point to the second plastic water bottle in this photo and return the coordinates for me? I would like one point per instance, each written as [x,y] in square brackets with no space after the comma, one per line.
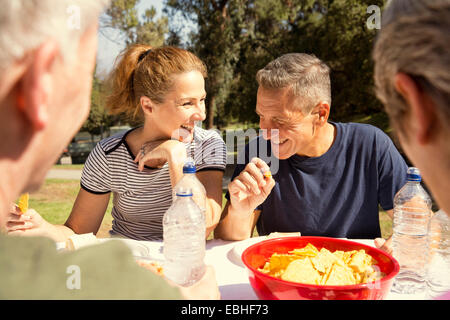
[184,240]
[412,209]
[438,277]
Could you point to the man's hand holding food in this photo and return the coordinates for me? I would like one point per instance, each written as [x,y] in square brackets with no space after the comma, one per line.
[251,187]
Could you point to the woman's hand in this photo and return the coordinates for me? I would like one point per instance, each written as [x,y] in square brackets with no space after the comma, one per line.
[156,153]
[28,224]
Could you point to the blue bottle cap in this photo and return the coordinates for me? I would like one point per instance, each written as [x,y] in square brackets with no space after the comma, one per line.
[413,174]
[184,192]
[189,166]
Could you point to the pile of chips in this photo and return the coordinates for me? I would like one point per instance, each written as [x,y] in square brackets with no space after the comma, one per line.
[152,266]
[321,267]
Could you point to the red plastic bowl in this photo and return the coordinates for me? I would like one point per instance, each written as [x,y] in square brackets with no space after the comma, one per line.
[270,288]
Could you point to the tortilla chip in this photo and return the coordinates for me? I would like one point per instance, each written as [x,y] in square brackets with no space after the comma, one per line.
[340,275]
[277,264]
[323,260]
[301,270]
[360,261]
[308,251]
[23,202]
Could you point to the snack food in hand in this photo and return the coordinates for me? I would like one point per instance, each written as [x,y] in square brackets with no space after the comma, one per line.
[321,267]
[267,174]
[23,203]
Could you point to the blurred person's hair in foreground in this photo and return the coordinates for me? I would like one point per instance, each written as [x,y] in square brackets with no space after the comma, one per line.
[26,24]
[412,77]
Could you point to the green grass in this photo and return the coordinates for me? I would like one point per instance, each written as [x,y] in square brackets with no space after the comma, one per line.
[55,199]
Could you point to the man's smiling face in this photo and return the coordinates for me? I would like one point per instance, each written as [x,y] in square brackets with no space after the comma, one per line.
[288,129]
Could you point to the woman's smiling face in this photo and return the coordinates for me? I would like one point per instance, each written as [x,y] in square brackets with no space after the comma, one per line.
[183,105]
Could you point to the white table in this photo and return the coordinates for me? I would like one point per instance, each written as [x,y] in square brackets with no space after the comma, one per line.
[232,276]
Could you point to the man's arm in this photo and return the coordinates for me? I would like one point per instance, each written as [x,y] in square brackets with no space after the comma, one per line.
[247,191]
[235,225]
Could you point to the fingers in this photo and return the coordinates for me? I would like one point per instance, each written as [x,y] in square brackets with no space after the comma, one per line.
[21,223]
[25,232]
[13,218]
[250,181]
[236,186]
[14,212]
[152,154]
[385,245]
[16,216]
[379,242]
[260,164]
[139,155]
[268,187]
[254,177]
[14,209]
[18,226]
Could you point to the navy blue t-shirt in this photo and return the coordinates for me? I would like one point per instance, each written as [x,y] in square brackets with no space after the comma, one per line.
[336,194]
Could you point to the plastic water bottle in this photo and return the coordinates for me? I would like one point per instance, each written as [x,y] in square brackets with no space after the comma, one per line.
[184,240]
[438,277]
[412,211]
[190,180]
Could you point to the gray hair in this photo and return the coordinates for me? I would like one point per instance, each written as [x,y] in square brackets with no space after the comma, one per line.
[25,24]
[306,75]
[414,39]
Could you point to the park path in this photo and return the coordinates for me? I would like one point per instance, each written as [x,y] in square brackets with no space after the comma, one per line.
[67,174]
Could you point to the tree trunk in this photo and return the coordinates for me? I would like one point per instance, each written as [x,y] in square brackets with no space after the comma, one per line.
[210,112]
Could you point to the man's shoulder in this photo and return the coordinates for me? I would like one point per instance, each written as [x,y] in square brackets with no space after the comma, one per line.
[362,132]
[362,128]
[106,271]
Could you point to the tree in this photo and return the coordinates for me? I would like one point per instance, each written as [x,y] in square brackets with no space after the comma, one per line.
[216,42]
[98,121]
[122,15]
[334,30]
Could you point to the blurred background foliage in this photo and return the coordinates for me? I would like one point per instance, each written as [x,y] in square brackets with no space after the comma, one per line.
[235,38]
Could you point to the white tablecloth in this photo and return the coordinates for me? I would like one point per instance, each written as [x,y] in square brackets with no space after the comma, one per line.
[232,276]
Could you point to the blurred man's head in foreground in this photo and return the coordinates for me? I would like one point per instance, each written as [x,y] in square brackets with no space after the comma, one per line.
[412,77]
[47,57]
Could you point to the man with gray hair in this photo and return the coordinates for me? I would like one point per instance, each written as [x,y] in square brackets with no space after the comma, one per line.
[332,176]
[46,65]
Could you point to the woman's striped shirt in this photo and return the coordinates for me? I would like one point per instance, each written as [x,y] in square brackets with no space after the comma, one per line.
[140,199]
